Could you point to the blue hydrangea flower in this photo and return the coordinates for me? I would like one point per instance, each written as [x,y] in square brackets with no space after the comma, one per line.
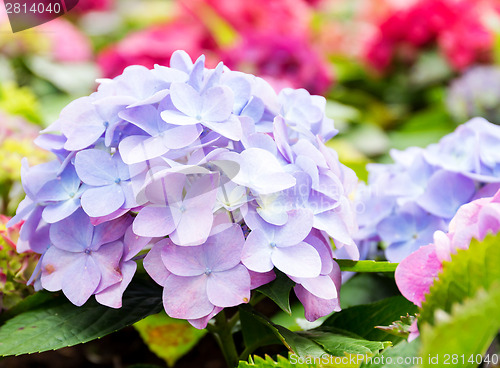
[406,202]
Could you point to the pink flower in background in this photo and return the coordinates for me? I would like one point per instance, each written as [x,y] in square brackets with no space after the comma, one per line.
[67,43]
[284,61]
[345,27]
[155,46]
[466,42]
[86,6]
[58,40]
[273,16]
[416,273]
[453,25]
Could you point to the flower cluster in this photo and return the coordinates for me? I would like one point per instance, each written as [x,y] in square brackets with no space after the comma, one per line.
[406,202]
[476,93]
[220,177]
[416,273]
[15,269]
[452,25]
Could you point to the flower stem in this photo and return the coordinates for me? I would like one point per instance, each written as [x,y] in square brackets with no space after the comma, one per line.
[222,333]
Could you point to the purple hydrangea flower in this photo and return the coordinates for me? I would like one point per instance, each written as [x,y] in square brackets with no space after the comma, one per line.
[83,259]
[237,176]
[201,278]
[108,181]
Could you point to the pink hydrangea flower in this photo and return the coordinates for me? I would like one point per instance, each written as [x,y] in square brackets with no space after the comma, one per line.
[417,272]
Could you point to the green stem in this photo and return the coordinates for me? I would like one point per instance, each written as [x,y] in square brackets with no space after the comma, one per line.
[222,333]
[366,266]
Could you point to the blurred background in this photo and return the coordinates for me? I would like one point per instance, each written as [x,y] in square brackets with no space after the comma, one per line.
[396,73]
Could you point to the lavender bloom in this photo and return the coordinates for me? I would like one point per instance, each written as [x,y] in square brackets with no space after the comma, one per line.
[108,181]
[199,279]
[283,247]
[476,93]
[237,176]
[187,219]
[406,202]
[83,259]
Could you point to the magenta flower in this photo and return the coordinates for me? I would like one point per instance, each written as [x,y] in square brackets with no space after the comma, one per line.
[453,26]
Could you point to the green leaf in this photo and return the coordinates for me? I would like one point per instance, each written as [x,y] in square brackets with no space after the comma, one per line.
[294,361]
[400,327]
[281,362]
[255,333]
[466,332]
[366,266]
[29,303]
[365,288]
[337,342]
[391,356]
[469,271]
[317,343]
[363,319]
[169,338]
[57,323]
[279,291]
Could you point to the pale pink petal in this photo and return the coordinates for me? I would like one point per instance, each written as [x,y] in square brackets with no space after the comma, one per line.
[186,297]
[229,288]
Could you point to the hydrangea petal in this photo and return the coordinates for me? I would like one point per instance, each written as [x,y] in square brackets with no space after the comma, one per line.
[416,273]
[296,229]
[55,263]
[300,260]
[154,265]
[74,233]
[257,252]
[442,199]
[201,323]
[186,297]
[229,288]
[112,296]
[96,167]
[108,259]
[58,211]
[183,261]
[102,201]
[225,246]
[78,290]
[154,221]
